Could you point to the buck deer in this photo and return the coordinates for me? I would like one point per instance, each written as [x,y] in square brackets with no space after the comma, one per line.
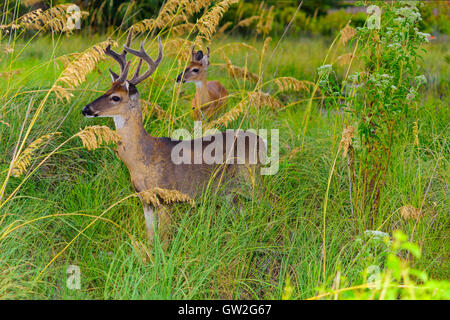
[210,96]
[149,159]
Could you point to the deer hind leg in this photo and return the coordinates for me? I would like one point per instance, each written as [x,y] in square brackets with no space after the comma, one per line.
[164,221]
[157,219]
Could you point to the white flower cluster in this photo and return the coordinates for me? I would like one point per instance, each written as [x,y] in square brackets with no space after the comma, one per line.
[376,233]
[377,236]
[408,15]
[423,36]
[412,94]
[420,80]
[324,71]
[382,80]
[353,78]
[324,74]
[411,3]
[394,45]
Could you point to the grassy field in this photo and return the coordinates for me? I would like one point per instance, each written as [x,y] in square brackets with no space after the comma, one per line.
[75,208]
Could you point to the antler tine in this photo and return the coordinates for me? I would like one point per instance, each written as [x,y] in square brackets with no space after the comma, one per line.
[136,73]
[152,64]
[120,58]
[130,35]
[124,73]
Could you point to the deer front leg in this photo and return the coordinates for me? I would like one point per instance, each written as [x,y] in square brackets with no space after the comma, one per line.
[150,217]
[157,219]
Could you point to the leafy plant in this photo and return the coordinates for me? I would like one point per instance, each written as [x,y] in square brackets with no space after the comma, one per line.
[394,279]
[380,96]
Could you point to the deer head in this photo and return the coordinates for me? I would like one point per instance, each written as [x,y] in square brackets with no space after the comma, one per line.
[123,96]
[196,71]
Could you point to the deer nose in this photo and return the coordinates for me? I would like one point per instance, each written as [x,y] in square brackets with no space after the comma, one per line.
[179,78]
[86,111]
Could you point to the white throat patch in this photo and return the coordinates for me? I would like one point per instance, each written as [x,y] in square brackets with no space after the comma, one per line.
[119,121]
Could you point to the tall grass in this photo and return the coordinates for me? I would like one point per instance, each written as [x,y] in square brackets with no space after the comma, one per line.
[73,206]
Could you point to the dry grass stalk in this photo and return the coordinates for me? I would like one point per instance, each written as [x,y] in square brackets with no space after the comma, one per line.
[30,3]
[234,47]
[61,93]
[53,19]
[292,84]
[180,48]
[182,29]
[293,153]
[208,23]
[143,253]
[257,99]
[180,18]
[149,107]
[192,7]
[8,49]
[143,25]
[260,99]
[156,195]
[410,212]
[347,139]
[94,136]
[347,33]
[68,58]
[167,13]
[223,28]
[24,160]
[230,116]
[9,74]
[345,59]
[247,22]
[416,133]
[79,68]
[238,72]
[265,47]
[265,22]
[173,13]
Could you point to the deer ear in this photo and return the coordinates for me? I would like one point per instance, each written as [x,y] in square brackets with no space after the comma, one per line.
[199,56]
[205,61]
[131,89]
[114,75]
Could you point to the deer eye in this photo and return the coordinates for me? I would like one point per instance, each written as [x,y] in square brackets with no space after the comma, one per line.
[195,70]
[115,98]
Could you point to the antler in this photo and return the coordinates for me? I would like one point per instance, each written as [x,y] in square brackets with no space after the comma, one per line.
[120,58]
[152,64]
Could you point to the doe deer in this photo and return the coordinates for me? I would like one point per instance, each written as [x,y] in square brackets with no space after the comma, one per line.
[149,159]
[210,96]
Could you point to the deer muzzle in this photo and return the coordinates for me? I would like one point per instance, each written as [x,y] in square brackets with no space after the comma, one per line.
[180,78]
[87,112]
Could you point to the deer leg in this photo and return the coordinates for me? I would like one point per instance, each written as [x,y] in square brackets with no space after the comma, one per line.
[150,217]
[163,224]
[157,219]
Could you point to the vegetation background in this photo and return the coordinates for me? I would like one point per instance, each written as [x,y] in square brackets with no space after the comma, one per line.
[302,236]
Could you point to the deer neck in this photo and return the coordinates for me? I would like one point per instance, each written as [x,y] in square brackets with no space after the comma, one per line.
[134,140]
[202,91]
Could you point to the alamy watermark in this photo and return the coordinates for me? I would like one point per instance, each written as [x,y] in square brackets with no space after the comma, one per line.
[74,19]
[230,147]
[73,281]
[374,20]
